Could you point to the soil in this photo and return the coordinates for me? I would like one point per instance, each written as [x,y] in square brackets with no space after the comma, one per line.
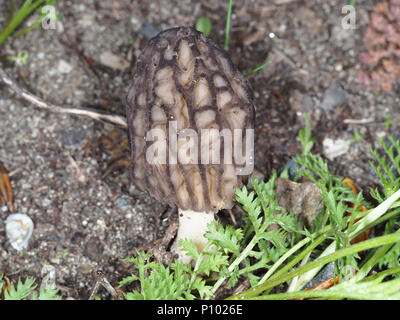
[85,222]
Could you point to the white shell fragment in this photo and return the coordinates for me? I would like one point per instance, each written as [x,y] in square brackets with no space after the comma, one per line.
[19,228]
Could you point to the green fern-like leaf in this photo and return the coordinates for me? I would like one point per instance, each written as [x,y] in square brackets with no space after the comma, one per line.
[252,206]
[226,238]
[190,248]
[22,291]
[387,168]
[50,293]
[200,286]
[174,282]
[212,261]
[163,284]
[277,237]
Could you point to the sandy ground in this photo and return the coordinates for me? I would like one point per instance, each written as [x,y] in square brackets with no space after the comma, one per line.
[84,222]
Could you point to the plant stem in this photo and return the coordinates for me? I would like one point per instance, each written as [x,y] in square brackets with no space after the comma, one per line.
[11,14]
[236,262]
[365,245]
[373,215]
[80,111]
[334,294]
[256,69]
[295,260]
[27,29]
[386,217]
[383,274]
[19,17]
[359,227]
[366,268]
[198,263]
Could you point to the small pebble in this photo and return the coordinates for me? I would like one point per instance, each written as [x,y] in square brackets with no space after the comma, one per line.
[113,61]
[338,67]
[148,30]
[72,137]
[334,96]
[64,67]
[19,229]
[122,204]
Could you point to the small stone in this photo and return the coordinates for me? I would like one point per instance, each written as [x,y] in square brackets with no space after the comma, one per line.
[338,67]
[341,35]
[335,148]
[301,199]
[59,27]
[113,61]
[64,67]
[122,204]
[334,97]
[301,102]
[86,20]
[101,223]
[128,216]
[72,138]
[310,19]
[135,21]
[94,248]
[148,30]
[291,167]
[85,268]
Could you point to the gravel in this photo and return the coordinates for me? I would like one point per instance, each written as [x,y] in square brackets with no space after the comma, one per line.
[83,222]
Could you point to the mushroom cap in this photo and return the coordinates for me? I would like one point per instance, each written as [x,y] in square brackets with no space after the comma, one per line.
[185,99]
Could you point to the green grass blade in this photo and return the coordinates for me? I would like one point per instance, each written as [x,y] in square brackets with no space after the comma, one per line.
[365,245]
[228,25]
[256,69]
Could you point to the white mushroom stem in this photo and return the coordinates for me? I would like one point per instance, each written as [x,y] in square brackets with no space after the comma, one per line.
[192,226]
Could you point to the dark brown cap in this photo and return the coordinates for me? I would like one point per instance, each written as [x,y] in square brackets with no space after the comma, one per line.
[183,84]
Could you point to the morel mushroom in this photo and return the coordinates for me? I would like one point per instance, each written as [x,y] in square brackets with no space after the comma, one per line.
[185,96]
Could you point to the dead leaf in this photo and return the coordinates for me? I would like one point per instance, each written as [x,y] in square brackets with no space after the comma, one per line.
[302,199]
[6,192]
[382,38]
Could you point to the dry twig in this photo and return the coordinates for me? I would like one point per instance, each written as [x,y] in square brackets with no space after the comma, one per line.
[102,281]
[91,113]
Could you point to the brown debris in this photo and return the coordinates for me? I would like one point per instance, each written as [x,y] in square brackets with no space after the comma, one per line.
[158,248]
[323,285]
[115,145]
[116,293]
[382,38]
[6,286]
[6,192]
[365,235]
